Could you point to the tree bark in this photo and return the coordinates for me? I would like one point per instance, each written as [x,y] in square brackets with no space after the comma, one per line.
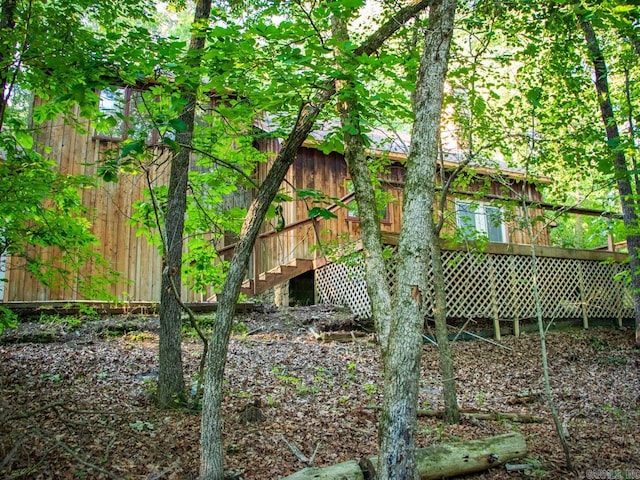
[171,387]
[354,155]
[7,24]
[402,360]
[212,453]
[620,168]
[376,271]
[447,369]
[438,461]
[349,470]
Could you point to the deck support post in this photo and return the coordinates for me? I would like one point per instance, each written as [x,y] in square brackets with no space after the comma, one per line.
[256,266]
[583,298]
[494,301]
[514,297]
[281,294]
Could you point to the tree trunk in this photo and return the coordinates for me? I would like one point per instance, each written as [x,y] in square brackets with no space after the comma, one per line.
[447,370]
[543,351]
[171,387]
[354,155]
[402,360]
[438,461]
[7,24]
[621,171]
[212,452]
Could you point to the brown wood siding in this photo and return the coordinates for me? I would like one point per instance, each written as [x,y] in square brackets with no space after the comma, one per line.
[111,206]
[328,173]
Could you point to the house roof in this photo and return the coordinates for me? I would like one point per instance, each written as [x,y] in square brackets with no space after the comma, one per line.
[395,145]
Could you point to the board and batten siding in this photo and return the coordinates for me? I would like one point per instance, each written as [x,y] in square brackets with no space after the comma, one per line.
[110,206]
[327,173]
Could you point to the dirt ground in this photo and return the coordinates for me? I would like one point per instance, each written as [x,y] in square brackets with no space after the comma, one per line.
[81,405]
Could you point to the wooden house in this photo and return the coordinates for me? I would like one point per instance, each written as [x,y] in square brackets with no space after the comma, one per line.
[492,200]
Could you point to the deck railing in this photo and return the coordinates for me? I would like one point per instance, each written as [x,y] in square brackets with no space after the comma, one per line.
[300,239]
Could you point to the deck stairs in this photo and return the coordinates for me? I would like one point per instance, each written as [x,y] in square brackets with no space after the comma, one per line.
[281,273]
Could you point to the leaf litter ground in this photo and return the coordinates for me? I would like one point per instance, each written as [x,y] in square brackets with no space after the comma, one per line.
[82,406]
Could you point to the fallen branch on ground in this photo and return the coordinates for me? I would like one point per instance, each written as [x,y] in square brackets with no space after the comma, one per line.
[438,461]
[302,457]
[66,448]
[340,337]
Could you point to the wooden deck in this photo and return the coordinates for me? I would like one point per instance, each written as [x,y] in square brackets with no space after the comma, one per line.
[497,284]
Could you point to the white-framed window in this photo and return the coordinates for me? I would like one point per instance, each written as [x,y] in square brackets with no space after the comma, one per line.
[113,105]
[125,115]
[474,219]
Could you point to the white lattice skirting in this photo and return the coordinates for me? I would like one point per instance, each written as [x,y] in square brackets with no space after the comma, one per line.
[482,285]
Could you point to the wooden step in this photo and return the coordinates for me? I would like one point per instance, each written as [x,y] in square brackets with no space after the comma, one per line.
[282,273]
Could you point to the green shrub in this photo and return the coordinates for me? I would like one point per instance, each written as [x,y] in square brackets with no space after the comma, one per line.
[8,318]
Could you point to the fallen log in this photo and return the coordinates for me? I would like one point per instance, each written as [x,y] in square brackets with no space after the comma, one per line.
[338,337]
[437,461]
[349,470]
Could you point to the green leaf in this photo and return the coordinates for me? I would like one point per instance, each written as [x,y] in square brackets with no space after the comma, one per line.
[479,106]
[624,8]
[131,147]
[605,165]
[309,193]
[614,143]
[24,139]
[534,95]
[282,197]
[178,125]
[108,173]
[175,146]
[321,212]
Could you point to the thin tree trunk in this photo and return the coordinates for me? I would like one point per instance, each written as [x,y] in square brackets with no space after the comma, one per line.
[631,126]
[171,387]
[402,361]
[7,23]
[621,171]
[543,349]
[354,154]
[542,331]
[447,370]
[212,452]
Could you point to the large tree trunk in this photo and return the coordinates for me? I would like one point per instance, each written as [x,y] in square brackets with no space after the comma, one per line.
[376,271]
[620,168]
[212,452]
[402,361]
[438,461]
[171,387]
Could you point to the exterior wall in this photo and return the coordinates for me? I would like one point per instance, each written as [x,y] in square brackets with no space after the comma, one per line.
[140,264]
[111,206]
[327,173]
